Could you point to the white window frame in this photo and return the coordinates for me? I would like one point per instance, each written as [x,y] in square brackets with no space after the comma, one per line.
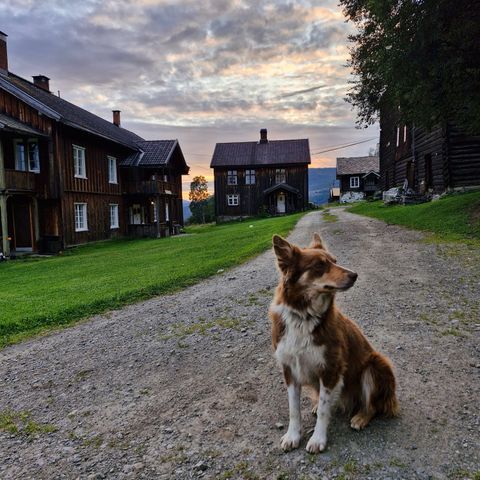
[233,199]
[280,175]
[250,177]
[26,161]
[354,182]
[112,172]
[79,163]
[232,177]
[77,208]
[114,223]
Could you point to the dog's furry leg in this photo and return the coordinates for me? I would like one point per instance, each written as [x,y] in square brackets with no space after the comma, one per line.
[313,395]
[328,397]
[292,438]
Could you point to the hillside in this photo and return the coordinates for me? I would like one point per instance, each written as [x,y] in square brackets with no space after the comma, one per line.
[320,180]
[453,217]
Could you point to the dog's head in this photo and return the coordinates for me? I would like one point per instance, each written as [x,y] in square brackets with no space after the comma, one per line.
[311,271]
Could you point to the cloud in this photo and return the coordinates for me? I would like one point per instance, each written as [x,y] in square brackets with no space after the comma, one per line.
[189,64]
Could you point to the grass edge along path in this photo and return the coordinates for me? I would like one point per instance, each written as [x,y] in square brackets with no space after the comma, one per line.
[41,295]
[452,218]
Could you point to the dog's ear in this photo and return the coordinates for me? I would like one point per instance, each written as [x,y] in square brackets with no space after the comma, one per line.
[284,251]
[317,241]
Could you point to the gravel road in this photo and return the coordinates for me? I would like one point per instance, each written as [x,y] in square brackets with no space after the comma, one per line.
[185,385]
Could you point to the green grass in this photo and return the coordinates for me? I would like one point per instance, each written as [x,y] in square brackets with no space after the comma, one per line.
[454,217]
[41,294]
[21,423]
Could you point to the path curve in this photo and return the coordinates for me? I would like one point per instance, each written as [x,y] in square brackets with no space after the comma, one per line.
[185,385]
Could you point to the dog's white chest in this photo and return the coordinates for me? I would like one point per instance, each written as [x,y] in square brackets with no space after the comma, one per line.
[297,350]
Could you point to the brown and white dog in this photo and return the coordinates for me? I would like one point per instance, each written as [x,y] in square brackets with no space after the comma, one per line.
[320,348]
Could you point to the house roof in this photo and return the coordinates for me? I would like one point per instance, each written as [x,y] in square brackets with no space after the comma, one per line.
[65,112]
[156,153]
[273,152]
[353,165]
[281,186]
[13,125]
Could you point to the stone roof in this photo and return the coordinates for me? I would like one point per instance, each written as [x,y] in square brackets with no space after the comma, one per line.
[254,154]
[357,165]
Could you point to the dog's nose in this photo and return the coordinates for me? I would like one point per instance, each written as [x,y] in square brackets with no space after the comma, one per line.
[353,276]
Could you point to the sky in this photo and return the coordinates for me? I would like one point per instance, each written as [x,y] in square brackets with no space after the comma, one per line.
[200,71]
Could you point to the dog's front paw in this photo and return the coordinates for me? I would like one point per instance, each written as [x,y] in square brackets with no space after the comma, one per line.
[290,440]
[316,444]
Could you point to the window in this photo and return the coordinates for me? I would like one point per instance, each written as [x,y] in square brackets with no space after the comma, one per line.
[249,177]
[233,200]
[81,217]
[231,177]
[27,156]
[398,136]
[280,176]
[114,215]
[167,211]
[354,182]
[404,133]
[112,170]
[79,162]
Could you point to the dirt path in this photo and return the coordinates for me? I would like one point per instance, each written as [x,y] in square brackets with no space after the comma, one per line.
[185,385]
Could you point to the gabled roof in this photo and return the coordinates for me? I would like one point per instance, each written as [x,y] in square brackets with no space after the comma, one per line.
[65,112]
[13,125]
[353,165]
[273,152]
[156,153]
[282,186]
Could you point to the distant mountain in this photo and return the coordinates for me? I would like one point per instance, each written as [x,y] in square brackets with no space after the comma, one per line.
[186,210]
[320,180]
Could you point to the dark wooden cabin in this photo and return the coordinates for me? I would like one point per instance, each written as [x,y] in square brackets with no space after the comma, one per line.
[69,177]
[264,176]
[432,161]
[358,176]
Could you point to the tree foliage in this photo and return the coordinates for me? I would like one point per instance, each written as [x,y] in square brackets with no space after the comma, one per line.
[198,189]
[420,56]
[204,211]
[202,205]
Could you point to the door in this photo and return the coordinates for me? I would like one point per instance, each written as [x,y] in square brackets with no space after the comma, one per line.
[281,203]
[21,224]
[136,214]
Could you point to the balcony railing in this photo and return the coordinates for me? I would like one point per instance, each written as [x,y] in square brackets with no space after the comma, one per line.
[20,181]
[150,187]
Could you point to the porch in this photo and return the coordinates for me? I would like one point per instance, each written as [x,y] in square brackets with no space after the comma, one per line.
[282,199]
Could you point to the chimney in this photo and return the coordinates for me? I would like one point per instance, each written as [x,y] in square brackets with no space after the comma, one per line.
[42,82]
[116,117]
[263,135]
[3,53]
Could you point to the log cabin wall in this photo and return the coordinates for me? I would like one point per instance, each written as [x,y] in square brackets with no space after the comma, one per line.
[95,190]
[251,198]
[464,155]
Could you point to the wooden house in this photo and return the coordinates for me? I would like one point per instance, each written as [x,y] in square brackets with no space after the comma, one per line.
[358,176]
[69,177]
[263,176]
[431,161]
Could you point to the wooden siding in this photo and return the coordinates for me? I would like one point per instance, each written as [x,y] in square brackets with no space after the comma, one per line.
[252,199]
[15,108]
[464,154]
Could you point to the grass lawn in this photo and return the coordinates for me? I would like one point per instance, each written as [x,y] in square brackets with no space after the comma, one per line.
[39,294]
[454,217]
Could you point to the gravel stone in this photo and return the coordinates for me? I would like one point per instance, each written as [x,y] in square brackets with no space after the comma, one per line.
[131,398]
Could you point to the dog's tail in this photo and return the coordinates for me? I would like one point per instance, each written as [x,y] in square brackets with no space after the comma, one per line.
[378,384]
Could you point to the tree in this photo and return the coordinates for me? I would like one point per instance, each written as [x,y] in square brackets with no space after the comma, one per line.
[198,197]
[421,57]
